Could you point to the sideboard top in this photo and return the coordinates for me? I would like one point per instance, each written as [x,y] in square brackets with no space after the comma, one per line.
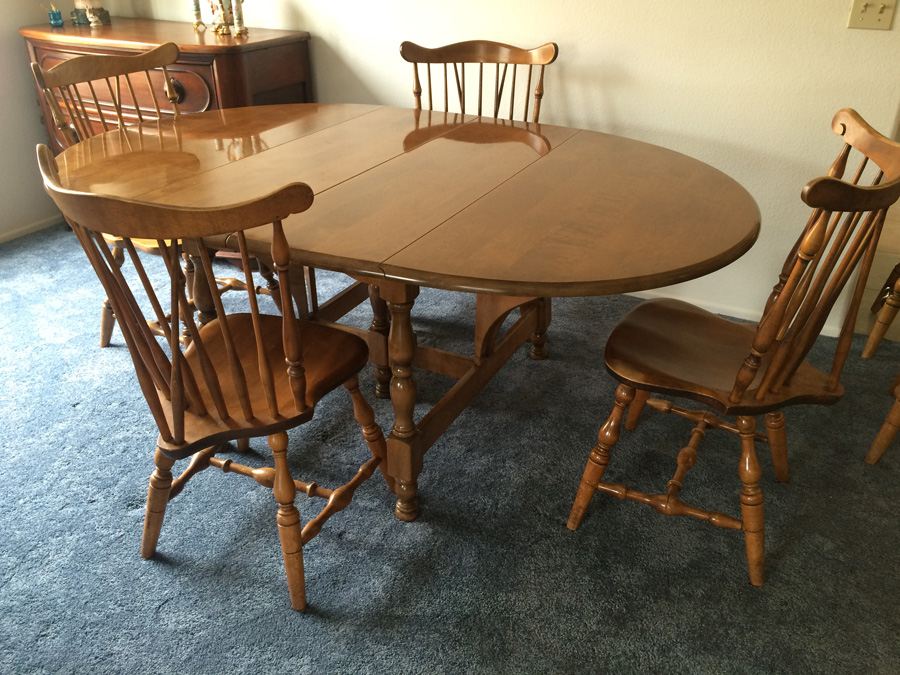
[140,34]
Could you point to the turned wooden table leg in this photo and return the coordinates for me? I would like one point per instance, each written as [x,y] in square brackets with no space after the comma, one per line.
[188,277]
[188,268]
[157,500]
[202,294]
[599,456]
[538,350]
[752,515]
[380,324]
[404,458]
[271,282]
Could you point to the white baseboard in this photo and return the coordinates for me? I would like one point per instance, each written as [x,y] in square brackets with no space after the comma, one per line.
[9,235]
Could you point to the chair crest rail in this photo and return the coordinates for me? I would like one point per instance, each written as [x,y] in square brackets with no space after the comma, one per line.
[506,60]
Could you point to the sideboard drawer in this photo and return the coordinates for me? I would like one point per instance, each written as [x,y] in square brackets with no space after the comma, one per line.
[192,85]
[212,72]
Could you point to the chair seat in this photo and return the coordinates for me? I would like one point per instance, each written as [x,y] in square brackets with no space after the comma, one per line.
[677,348]
[330,358]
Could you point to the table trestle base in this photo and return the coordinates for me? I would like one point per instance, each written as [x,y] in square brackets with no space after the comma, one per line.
[409,441]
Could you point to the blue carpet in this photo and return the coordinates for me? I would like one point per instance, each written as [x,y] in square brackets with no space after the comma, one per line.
[487,580]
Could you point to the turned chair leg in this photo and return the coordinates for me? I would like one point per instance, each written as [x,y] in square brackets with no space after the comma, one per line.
[775,429]
[599,456]
[887,432]
[372,434]
[107,322]
[752,516]
[107,316]
[157,500]
[883,321]
[636,408]
[288,520]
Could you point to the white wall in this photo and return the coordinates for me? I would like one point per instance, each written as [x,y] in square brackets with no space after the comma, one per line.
[749,87]
[25,207]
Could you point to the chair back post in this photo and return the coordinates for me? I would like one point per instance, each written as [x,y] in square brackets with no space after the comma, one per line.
[506,60]
[293,351]
[840,237]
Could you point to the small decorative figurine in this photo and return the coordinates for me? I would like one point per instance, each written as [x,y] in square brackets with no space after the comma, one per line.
[55,16]
[199,26]
[239,28]
[101,15]
[221,16]
[79,14]
[227,17]
[86,14]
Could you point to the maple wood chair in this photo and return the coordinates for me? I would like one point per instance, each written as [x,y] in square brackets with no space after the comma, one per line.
[94,94]
[243,374]
[888,430]
[505,83]
[511,72]
[671,347]
[515,70]
[70,90]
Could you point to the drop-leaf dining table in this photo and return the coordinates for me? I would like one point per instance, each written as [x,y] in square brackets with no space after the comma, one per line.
[515,213]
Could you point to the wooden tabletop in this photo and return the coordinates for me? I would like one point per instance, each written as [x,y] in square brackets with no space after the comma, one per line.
[144,34]
[441,200]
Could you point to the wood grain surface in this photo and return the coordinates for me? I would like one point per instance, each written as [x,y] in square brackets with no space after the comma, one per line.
[439,199]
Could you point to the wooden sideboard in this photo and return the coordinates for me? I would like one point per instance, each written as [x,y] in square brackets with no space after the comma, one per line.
[267,66]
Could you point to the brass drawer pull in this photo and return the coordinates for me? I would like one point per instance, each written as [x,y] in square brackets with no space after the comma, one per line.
[179,90]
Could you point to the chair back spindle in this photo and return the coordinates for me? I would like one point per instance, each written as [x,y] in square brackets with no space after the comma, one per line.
[227,373]
[839,238]
[505,65]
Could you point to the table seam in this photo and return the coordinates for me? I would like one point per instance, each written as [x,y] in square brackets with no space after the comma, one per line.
[278,145]
[469,205]
[391,159]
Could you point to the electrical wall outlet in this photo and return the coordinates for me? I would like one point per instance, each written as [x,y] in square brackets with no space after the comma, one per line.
[876,15]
